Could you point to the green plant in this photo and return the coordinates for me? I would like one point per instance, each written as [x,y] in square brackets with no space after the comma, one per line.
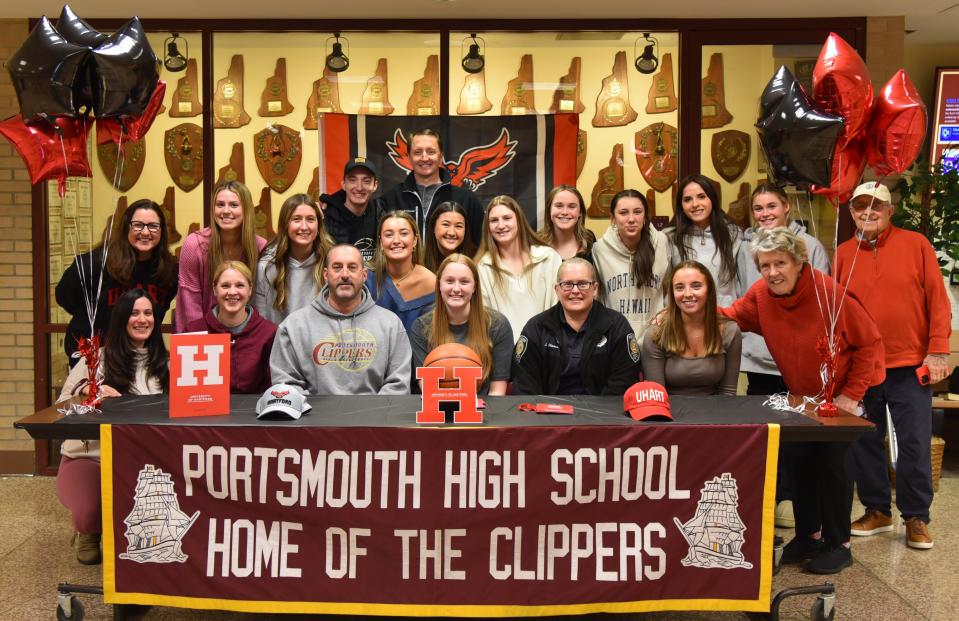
[929,204]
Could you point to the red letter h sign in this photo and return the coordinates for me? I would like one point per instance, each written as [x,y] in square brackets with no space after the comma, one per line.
[464,396]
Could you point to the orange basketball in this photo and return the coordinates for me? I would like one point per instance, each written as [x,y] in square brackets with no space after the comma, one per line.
[450,356]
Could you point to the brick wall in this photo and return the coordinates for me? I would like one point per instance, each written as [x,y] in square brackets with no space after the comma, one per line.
[16,277]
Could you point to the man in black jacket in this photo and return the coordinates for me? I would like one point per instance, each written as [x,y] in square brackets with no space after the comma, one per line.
[429,185]
[578,346]
[351,215]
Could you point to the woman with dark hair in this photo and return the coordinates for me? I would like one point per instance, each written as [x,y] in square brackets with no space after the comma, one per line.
[461,317]
[232,236]
[632,258]
[565,228]
[694,350]
[399,282]
[702,232]
[289,273]
[251,336]
[133,361]
[137,257]
[446,233]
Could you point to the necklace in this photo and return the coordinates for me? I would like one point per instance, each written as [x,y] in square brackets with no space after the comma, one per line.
[397,281]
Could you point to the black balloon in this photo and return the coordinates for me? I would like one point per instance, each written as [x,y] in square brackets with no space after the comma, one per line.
[775,90]
[48,74]
[72,28]
[799,139]
[127,72]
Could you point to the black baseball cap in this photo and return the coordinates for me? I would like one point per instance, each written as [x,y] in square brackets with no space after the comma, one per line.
[360,162]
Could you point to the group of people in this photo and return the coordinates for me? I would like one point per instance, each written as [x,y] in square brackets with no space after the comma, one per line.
[355,290]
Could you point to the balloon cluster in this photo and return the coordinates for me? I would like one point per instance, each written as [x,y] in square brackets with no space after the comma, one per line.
[823,142]
[61,75]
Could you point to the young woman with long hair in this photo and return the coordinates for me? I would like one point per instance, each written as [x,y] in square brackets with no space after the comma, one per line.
[516,269]
[289,273]
[693,350]
[461,317]
[446,233]
[134,360]
[565,228]
[398,281]
[230,236]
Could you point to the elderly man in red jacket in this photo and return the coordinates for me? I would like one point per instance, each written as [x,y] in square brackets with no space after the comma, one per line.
[895,274]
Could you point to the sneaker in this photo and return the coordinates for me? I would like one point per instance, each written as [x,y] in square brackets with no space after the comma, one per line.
[917,534]
[88,548]
[800,549]
[872,522]
[830,560]
[784,515]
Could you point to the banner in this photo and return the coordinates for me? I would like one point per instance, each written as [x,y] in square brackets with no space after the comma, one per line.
[432,522]
[524,156]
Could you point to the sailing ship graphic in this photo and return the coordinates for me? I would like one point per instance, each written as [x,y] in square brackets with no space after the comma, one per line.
[715,532]
[156,524]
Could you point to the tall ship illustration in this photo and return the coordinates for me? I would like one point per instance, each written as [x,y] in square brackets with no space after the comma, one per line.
[715,532]
[156,524]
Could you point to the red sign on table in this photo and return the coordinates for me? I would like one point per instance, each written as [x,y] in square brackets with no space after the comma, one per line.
[199,375]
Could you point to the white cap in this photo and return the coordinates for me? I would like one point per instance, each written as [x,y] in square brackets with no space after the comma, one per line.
[873,188]
[282,401]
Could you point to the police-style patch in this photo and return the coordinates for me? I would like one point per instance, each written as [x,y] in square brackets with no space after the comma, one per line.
[632,346]
[520,348]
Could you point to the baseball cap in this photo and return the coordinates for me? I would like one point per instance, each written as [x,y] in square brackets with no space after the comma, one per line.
[360,162]
[873,188]
[647,401]
[281,402]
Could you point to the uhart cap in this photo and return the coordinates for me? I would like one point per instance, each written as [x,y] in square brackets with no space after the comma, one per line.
[873,188]
[647,400]
[280,402]
[360,162]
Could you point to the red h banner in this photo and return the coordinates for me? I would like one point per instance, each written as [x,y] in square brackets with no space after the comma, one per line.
[199,375]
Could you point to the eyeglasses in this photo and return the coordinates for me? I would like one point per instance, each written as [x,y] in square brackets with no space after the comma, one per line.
[876,205]
[153,227]
[582,285]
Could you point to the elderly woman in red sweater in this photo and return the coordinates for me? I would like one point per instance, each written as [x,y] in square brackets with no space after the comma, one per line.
[788,308]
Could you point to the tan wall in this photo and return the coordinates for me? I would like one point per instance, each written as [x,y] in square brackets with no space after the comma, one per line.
[921,62]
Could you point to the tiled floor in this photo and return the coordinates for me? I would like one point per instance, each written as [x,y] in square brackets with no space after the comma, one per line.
[887,582]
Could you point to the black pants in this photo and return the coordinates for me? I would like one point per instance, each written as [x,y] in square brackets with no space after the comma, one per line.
[767,384]
[822,492]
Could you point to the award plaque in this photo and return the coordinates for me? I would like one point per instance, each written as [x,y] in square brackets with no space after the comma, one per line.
[657,147]
[730,153]
[130,162]
[612,103]
[519,91]
[425,100]
[376,98]
[739,208]
[650,204]
[662,92]
[273,101]
[580,151]
[608,183]
[313,190]
[186,97]
[566,98]
[183,154]
[278,153]
[228,97]
[234,171]
[116,224]
[714,109]
[168,206]
[473,96]
[325,97]
[263,216]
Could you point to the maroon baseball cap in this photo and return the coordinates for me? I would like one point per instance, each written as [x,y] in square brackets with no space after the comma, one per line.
[647,401]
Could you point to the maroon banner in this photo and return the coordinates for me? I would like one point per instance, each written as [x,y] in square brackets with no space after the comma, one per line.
[554,520]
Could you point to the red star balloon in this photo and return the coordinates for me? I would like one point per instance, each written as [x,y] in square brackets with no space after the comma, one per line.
[53,148]
[111,129]
[847,167]
[841,84]
[898,127]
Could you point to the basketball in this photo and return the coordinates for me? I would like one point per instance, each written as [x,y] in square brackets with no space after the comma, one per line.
[450,356]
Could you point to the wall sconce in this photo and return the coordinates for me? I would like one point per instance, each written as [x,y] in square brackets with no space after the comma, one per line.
[474,60]
[175,61]
[647,62]
[337,61]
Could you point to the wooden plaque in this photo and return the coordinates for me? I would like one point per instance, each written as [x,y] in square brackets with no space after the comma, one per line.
[116,227]
[325,97]
[273,101]
[650,204]
[168,206]
[228,97]
[566,98]
[314,188]
[186,97]
[730,153]
[519,91]
[194,227]
[473,96]
[263,216]
[425,99]
[130,164]
[608,183]
[714,112]
[662,92]
[719,190]
[183,154]
[739,208]
[657,148]
[234,171]
[376,97]
[581,145]
[278,153]
[612,103]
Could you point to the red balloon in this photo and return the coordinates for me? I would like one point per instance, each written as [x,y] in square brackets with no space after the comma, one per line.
[847,167]
[54,148]
[111,129]
[841,83]
[898,127]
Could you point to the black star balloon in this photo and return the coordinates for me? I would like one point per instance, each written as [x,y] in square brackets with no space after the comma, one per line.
[775,90]
[127,72]
[72,28]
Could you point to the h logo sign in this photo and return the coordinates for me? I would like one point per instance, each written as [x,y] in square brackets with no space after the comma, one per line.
[464,396]
[199,374]
[189,365]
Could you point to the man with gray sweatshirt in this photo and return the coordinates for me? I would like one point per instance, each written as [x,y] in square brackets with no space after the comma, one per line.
[342,343]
